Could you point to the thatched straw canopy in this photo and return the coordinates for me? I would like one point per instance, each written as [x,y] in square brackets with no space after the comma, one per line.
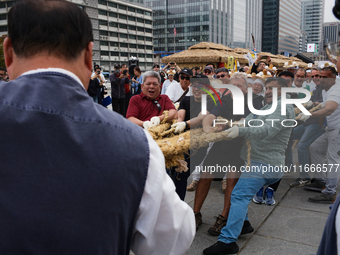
[203,53]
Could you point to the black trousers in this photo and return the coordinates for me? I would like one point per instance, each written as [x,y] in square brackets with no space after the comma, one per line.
[118,105]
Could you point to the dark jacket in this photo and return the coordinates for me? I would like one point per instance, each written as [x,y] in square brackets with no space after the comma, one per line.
[63,195]
[118,86]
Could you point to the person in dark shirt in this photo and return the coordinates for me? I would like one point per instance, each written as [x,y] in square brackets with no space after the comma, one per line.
[259,64]
[223,153]
[189,116]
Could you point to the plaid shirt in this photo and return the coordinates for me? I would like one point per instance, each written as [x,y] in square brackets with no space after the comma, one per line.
[269,142]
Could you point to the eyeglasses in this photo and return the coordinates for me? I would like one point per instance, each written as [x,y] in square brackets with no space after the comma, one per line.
[316,76]
[185,78]
[207,71]
[220,76]
[157,105]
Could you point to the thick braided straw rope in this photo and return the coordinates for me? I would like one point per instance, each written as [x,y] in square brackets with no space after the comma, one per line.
[297,110]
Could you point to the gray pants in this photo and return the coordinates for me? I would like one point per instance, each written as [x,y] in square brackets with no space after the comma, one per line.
[328,145]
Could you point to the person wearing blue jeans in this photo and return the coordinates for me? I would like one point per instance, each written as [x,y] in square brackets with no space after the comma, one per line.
[268,142]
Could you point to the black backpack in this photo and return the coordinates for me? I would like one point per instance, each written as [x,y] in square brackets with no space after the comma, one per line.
[92,89]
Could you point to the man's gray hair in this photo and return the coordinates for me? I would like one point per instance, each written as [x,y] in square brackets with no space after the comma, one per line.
[240,76]
[152,74]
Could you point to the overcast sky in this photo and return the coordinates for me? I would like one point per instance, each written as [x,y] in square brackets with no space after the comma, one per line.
[328,15]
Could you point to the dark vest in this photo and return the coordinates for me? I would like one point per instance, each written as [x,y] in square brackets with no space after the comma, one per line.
[68,183]
[329,242]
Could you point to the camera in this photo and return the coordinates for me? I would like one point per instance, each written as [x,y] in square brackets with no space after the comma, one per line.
[98,72]
[124,72]
[172,63]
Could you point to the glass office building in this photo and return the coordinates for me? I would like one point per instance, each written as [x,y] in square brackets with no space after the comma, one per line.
[224,22]
[331,32]
[312,20]
[281,26]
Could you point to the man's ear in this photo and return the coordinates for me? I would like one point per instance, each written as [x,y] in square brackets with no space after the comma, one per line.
[8,52]
[88,56]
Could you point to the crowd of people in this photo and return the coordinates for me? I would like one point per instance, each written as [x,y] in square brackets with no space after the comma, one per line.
[66,195]
[271,144]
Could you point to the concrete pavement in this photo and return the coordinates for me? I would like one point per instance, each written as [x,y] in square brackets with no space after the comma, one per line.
[292,226]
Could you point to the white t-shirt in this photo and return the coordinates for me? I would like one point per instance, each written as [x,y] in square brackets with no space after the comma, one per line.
[101,75]
[166,85]
[333,94]
[175,91]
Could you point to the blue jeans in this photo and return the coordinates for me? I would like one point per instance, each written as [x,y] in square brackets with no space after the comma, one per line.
[243,192]
[306,135]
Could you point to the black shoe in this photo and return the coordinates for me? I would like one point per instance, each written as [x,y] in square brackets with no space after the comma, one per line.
[315,186]
[221,248]
[247,228]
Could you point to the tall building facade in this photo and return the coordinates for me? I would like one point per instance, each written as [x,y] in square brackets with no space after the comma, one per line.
[312,20]
[120,30]
[281,26]
[225,22]
[331,32]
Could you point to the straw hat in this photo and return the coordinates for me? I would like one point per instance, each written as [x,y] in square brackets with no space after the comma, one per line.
[253,76]
[171,72]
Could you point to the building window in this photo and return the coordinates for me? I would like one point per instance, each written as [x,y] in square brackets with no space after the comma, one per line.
[125,36]
[141,47]
[103,33]
[103,22]
[123,45]
[131,18]
[122,7]
[122,16]
[123,26]
[3,17]
[102,2]
[133,46]
[141,55]
[104,53]
[147,30]
[148,47]
[140,11]
[114,5]
[10,4]
[140,29]
[130,9]
[2,5]
[149,22]
[101,12]
[113,24]
[114,44]
[148,13]
[132,28]
[124,54]
[140,20]
[141,38]
[113,14]
[104,43]
[148,39]
[113,34]
[132,37]
[114,54]
[149,55]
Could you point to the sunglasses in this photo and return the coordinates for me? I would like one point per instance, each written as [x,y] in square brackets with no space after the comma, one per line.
[199,86]
[316,76]
[157,105]
[185,78]
[220,76]
[207,71]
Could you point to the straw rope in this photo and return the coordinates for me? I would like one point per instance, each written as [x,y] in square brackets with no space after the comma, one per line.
[318,107]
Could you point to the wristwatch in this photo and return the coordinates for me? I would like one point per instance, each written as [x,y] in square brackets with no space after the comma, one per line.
[186,125]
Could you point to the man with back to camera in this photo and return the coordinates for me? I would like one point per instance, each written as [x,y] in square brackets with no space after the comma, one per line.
[64,196]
